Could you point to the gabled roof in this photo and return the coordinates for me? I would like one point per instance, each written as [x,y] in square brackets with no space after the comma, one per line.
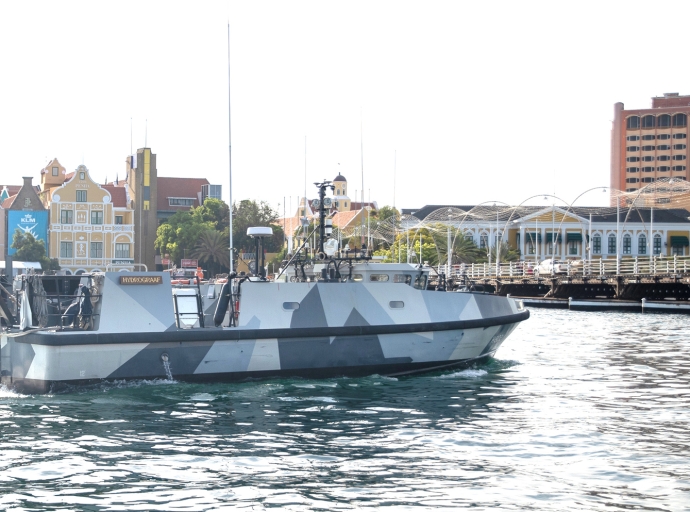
[118,195]
[9,201]
[179,187]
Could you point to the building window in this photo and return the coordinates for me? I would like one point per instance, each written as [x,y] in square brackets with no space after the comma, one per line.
[181,201]
[96,249]
[627,244]
[678,168]
[596,244]
[663,121]
[121,251]
[530,246]
[679,157]
[663,147]
[648,148]
[648,180]
[633,169]
[572,248]
[642,245]
[648,169]
[680,136]
[648,137]
[663,200]
[663,168]
[118,219]
[657,244]
[96,217]
[633,137]
[633,159]
[663,158]
[678,250]
[679,146]
[483,241]
[66,250]
[680,120]
[81,196]
[630,189]
[632,180]
[82,175]
[56,171]
[66,217]
[648,158]
[648,121]
[633,123]
[663,136]
[633,148]
[612,244]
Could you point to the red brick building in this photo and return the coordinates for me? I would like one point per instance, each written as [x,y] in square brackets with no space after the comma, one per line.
[650,144]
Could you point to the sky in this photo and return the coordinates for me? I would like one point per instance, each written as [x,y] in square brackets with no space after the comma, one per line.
[435,102]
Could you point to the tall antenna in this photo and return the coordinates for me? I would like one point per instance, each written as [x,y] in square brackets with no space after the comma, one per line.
[395,168]
[230,155]
[305,176]
[146,134]
[361,151]
[130,137]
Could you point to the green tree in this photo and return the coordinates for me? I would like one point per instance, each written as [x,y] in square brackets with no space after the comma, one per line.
[505,252]
[180,234]
[29,249]
[212,250]
[248,213]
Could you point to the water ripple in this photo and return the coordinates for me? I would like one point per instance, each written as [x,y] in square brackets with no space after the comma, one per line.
[581,411]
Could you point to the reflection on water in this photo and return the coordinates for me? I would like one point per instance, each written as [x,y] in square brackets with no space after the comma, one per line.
[580,411]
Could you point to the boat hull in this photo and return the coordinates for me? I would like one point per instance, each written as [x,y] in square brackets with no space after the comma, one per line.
[39,362]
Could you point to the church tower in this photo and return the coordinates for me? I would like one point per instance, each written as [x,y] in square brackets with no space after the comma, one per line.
[340,193]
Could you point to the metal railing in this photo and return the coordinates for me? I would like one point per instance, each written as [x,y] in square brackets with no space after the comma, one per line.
[628,266]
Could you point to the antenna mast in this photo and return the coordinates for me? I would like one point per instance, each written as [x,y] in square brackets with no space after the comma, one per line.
[230,156]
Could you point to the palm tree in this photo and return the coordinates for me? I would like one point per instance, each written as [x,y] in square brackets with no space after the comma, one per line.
[213,250]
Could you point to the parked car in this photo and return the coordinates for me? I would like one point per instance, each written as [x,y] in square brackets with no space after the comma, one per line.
[550,266]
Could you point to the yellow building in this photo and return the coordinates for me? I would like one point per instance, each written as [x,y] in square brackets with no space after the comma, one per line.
[91,225]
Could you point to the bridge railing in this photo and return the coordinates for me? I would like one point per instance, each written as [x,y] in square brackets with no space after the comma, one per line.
[628,266]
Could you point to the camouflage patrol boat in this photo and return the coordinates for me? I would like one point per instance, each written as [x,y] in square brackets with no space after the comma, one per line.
[331,315]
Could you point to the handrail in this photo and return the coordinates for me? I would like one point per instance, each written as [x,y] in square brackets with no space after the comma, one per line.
[602,267]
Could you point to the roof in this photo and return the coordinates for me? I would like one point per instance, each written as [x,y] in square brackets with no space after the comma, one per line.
[9,201]
[118,195]
[179,187]
[599,213]
[339,177]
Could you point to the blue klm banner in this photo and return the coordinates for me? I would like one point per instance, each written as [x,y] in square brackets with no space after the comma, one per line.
[35,223]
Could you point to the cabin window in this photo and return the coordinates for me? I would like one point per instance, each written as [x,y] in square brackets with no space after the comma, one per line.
[379,278]
[66,217]
[96,217]
[396,304]
[357,277]
[290,306]
[81,196]
[420,282]
[66,249]
[402,278]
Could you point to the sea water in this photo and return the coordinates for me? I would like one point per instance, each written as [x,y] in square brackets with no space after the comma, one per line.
[578,411]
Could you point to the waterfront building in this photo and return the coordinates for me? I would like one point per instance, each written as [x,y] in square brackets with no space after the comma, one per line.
[650,144]
[25,212]
[571,233]
[348,216]
[91,225]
